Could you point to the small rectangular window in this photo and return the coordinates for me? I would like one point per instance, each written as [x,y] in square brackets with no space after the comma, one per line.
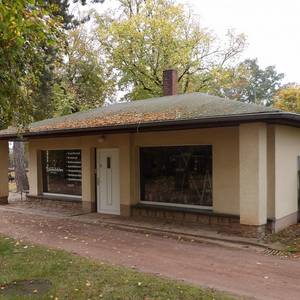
[108,159]
[61,172]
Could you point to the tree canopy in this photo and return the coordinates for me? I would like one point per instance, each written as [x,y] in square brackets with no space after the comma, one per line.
[53,64]
[288,98]
[57,93]
[28,29]
[246,82]
[82,81]
[143,38]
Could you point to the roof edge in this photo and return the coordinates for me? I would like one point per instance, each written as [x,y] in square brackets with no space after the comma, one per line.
[283,118]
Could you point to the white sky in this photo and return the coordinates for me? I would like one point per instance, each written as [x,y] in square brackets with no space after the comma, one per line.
[272,28]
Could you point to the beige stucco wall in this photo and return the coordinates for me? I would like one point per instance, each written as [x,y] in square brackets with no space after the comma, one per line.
[3,169]
[253,173]
[287,149]
[225,161]
[271,172]
[243,158]
[87,144]
[282,149]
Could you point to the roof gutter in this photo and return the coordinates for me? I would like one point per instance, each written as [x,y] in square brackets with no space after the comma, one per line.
[282,118]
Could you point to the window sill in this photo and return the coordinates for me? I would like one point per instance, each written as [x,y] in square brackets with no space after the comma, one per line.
[197,207]
[199,211]
[55,198]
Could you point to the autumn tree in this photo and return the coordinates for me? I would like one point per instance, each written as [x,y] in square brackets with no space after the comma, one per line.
[83,81]
[32,45]
[288,98]
[27,30]
[69,19]
[246,82]
[142,38]
[54,92]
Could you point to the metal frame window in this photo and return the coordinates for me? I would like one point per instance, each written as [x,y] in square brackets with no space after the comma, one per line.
[62,172]
[176,175]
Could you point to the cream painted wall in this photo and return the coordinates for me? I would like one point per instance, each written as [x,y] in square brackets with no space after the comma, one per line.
[34,170]
[3,169]
[87,144]
[287,149]
[271,171]
[225,145]
[225,161]
[253,173]
[278,167]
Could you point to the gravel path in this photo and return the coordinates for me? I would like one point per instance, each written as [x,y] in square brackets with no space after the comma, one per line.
[243,272]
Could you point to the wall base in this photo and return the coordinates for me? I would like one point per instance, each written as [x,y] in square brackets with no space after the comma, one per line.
[88,206]
[279,224]
[254,231]
[221,222]
[3,200]
[125,210]
[63,202]
[51,202]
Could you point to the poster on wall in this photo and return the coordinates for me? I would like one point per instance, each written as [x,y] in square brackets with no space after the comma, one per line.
[73,166]
[62,172]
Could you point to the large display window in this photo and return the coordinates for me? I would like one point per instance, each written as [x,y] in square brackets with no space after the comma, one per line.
[176,175]
[61,172]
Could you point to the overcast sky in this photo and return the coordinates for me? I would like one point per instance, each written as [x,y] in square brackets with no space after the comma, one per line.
[272,28]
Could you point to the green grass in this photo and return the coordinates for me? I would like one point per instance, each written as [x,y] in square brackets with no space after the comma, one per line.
[74,277]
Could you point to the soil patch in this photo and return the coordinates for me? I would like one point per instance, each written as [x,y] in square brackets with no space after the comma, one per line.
[33,287]
[289,238]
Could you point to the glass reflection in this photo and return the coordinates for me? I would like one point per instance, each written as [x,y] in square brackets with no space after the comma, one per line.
[176,174]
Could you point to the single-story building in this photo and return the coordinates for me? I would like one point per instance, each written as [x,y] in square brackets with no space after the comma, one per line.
[190,157]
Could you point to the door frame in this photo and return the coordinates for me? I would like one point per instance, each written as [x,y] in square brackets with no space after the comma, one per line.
[98,176]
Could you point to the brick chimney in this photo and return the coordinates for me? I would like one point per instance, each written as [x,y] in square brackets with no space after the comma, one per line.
[170,82]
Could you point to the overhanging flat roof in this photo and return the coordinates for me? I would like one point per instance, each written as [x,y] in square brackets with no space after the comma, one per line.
[270,118]
[185,111]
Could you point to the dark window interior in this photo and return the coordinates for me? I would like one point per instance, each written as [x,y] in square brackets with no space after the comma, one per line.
[61,170]
[176,174]
[108,162]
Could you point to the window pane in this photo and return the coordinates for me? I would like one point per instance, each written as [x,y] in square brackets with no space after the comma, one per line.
[177,174]
[62,172]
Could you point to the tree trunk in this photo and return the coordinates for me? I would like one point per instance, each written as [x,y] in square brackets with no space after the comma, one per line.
[20,167]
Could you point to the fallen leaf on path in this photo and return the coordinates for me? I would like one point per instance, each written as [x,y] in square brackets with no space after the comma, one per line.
[88,284]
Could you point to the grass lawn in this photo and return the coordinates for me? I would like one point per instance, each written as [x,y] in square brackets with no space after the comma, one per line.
[61,275]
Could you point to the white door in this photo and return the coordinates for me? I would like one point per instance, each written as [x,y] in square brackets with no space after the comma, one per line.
[108,181]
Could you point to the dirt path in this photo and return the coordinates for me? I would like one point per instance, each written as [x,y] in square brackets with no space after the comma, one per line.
[242,272]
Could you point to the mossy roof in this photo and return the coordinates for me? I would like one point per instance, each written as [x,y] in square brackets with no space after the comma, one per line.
[154,111]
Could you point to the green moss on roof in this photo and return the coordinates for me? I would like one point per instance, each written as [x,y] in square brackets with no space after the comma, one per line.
[169,108]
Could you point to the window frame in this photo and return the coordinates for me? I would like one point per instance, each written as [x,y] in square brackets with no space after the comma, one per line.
[179,205]
[70,196]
